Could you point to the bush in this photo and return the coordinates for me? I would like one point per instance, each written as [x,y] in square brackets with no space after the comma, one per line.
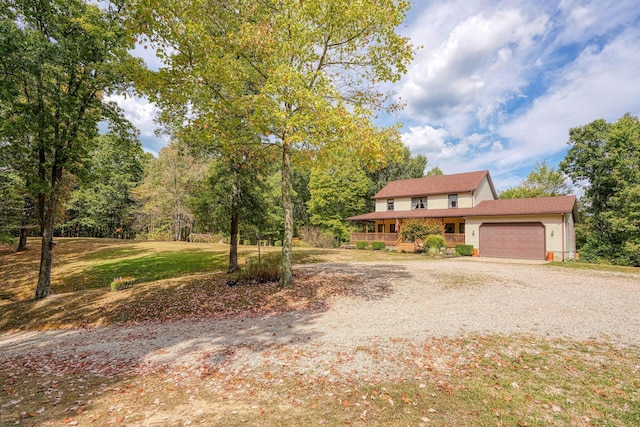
[316,238]
[267,269]
[362,245]
[246,242]
[419,228]
[120,283]
[465,250]
[434,242]
[278,243]
[378,246]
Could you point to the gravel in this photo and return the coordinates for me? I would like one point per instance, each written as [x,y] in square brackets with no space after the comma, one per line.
[403,301]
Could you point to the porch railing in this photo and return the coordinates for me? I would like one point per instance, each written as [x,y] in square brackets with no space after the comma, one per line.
[392,239]
[388,238]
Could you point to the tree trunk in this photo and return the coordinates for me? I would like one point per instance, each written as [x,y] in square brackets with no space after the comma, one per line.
[233,248]
[287,255]
[43,288]
[24,223]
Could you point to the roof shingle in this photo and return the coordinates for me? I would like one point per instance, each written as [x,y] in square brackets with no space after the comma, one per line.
[442,184]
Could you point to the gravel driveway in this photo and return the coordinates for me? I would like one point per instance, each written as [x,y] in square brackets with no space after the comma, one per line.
[412,300]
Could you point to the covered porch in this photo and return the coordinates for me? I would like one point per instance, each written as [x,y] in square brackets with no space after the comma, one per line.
[388,231]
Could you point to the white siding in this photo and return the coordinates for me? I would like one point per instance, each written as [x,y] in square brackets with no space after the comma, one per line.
[483,192]
[438,201]
[381,205]
[465,200]
[403,204]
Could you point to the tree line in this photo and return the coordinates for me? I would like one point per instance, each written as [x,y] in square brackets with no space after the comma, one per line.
[270,107]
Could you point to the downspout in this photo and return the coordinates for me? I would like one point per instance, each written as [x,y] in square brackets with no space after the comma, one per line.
[563,236]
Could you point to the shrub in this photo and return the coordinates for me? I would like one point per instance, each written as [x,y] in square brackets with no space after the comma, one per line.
[378,246]
[316,238]
[466,250]
[419,228]
[278,243]
[434,242]
[120,283]
[247,242]
[362,245]
[264,270]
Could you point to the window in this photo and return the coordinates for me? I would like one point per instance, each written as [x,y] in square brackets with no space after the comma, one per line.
[450,228]
[380,228]
[389,204]
[453,200]
[418,203]
[461,228]
[392,228]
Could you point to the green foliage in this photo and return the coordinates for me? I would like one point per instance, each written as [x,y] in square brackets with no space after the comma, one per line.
[316,238]
[435,241]
[247,242]
[378,246]
[465,250]
[603,160]
[543,181]
[164,196]
[435,171]
[278,243]
[120,283]
[362,245]
[337,193]
[419,228]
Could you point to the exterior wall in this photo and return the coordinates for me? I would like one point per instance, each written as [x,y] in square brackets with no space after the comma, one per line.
[403,204]
[483,192]
[465,200]
[553,231]
[381,205]
[438,201]
[570,236]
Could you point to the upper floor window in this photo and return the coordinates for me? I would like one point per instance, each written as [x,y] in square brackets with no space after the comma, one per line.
[418,203]
[389,204]
[453,200]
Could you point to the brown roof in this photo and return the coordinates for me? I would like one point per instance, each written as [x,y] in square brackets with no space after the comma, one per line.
[442,184]
[532,206]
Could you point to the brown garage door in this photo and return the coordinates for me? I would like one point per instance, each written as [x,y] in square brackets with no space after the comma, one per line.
[512,240]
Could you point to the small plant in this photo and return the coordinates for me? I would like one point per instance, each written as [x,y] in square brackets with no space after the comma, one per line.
[278,243]
[120,283]
[362,245]
[247,242]
[378,246]
[259,270]
[465,250]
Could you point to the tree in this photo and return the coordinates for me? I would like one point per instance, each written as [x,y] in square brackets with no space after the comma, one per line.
[434,171]
[59,57]
[102,204]
[165,194]
[301,74]
[604,159]
[337,193]
[543,181]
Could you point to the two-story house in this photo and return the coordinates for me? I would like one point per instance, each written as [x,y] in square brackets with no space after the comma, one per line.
[468,206]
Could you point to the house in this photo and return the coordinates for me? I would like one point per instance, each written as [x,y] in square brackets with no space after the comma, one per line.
[468,206]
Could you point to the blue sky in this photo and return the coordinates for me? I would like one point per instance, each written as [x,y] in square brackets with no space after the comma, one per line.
[498,84]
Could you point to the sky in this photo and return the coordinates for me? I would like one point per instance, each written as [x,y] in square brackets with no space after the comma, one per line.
[497,85]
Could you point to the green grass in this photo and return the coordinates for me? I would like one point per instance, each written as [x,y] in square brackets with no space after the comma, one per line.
[596,267]
[147,268]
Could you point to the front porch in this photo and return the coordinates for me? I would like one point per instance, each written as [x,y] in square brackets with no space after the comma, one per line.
[394,239]
[387,231]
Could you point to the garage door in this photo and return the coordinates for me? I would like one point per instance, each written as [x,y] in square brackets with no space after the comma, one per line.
[512,240]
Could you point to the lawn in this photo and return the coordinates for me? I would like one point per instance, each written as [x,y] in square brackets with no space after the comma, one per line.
[471,380]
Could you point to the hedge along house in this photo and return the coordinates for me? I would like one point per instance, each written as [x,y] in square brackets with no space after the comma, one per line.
[467,205]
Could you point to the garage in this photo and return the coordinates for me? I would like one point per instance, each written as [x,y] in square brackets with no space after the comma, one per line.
[524,240]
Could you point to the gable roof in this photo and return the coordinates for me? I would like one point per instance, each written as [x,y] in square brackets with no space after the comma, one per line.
[502,207]
[442,184]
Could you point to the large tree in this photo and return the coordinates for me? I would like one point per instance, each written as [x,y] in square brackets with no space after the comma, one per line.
[102,205]
[300,73]
[604,159]
[60,57]
[542,181]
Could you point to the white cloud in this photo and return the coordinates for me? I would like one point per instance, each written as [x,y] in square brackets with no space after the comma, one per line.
[141,113]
